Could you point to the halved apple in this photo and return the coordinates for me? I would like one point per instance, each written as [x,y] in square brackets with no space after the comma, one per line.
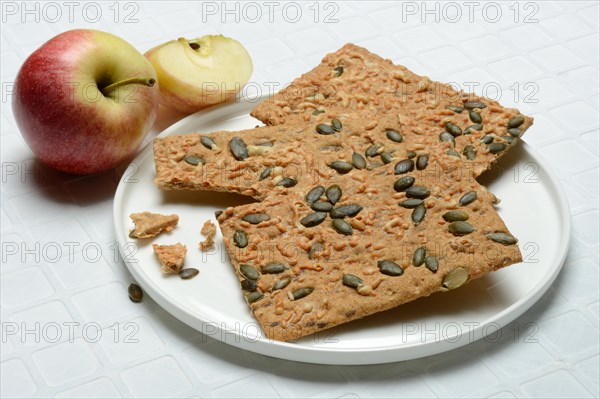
[194,74]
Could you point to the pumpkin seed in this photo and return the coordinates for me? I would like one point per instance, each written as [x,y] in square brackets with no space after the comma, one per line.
[394,135]
[422,161]
[453,153]
[339,70]
[403,183]
[352,281]
[287,182]
[386,157]
[411,203]
[502,238]
[447,137]
[487,139]
[207,142]
[495,148]
[341,226]
[467,198]
[475,116]
[460,228]
[455,278]
[218,213]
[476,127]
[359,161]
[249,272]
[333,193]
[336,124]
[509,139]
[253,296]
[135,293]
[273,268]
[301,293]
[411,154]
[474,104]
[418,257]
[248,285]
[470,152]
[324,129]
[240,239]
[455,216]
[390,268]
[515,132]
[453,129]
[419,192]
[342,167]
[238,148]
[515,121]
[265,173]
[256,218]
[455,108]
[317,112]
[314,194]
[188,273]
[432,263]
[281,284]
[321,206]
[193,160]
[404,166]
[314,219]
[343,211]
[372,150]
[418,214]
[316,247]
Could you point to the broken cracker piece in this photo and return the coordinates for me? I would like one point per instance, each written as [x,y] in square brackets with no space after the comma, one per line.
[171,257]
[149,224]
[209,230]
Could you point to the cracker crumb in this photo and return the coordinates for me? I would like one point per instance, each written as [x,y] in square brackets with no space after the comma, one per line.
[171,257]
[149,224]
[209,230]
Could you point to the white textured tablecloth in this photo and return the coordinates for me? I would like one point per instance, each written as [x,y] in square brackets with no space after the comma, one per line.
[542,57]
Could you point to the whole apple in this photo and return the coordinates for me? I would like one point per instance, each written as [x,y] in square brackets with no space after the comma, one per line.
[197,73]
[85,100]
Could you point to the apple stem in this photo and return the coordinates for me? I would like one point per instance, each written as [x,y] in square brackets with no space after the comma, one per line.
[143,81]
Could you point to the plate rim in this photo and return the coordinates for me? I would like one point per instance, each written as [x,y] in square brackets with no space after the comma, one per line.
[343,356]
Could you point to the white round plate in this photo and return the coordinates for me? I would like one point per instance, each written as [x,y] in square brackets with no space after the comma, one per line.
[533,207]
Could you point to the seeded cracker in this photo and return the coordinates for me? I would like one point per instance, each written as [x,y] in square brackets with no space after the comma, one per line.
[151,224]
[343,230]
[171,257]
[353,79]
[209,230]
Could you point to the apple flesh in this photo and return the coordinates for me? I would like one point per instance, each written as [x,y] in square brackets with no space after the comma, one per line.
[194,74]
[85,100]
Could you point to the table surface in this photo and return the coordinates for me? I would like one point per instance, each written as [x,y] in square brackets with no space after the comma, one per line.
[68,328]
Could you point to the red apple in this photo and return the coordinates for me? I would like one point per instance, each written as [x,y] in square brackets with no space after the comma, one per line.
[85,100]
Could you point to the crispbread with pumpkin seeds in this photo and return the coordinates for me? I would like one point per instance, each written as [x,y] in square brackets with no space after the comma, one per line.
[353,79]
[301,275]
[367,209]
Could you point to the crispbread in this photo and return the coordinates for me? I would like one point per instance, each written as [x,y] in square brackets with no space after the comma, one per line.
[171,257]
[149,224]
[382,230]
[373,85]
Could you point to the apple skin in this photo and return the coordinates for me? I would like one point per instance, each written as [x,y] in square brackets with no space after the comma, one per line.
[64,117]
[188,76]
